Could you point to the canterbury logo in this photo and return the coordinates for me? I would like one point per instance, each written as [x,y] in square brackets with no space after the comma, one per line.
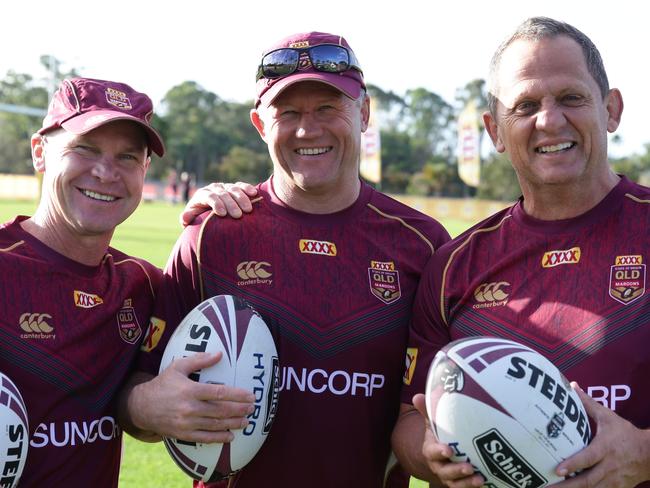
[555,258]
[253,269]
[628,260]
[317,247]
[35,322]
[491,292]
[86,300]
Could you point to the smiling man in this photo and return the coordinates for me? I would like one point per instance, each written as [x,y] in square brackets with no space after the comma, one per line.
[74,309]
[568,260]
[330,263]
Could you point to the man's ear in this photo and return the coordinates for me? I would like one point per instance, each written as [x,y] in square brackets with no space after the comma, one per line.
[38,153]
[258,123]
[493,131]
[614,103]
[365,113]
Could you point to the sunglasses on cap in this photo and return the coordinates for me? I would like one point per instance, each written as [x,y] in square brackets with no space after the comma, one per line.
[330,58]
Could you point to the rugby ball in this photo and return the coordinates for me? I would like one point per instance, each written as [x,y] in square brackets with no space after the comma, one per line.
[14,433]
[250,360]
[506,409]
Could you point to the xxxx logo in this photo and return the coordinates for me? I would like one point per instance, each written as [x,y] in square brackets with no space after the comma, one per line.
[86,300]
[36,326]
[622,260]
[153,335]
[247,270]
[307,246]
[550,259]
[411,360]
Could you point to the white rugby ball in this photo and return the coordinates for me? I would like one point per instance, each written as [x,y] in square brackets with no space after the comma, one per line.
[506,409]
[14,433]
[250,360]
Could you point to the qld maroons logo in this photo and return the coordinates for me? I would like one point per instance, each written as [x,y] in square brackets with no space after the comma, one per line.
[384,281]
[627,279]
[127,323]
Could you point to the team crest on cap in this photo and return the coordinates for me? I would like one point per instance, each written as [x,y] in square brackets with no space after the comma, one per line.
[627,279]
[118,99]
[384,281]
[127,323]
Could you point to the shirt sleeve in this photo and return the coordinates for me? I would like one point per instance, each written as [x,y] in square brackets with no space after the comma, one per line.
[179,292]
[428,332]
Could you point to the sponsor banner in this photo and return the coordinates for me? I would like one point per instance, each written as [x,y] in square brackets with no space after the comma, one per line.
[370,165]
[469,158]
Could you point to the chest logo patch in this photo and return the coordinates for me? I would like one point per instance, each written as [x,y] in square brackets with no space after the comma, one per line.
[36,326]
[627,279]
[308,246]
[86,300]
[384,281]
[127,323]
[490,295]
[551,259]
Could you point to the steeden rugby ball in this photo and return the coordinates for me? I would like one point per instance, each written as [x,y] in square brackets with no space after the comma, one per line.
[506,409]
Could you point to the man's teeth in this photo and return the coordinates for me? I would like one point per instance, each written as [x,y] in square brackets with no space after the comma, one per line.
[98,196]
[557,147]
[313,151]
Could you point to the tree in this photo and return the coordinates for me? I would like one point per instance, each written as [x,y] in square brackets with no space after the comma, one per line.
[16,129]
[429,119]
[243,164]
[498,179]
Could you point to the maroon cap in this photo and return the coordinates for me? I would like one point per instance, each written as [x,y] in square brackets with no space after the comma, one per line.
[349,82]
[83,104]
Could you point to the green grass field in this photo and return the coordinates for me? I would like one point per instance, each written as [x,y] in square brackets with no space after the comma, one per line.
[150,233]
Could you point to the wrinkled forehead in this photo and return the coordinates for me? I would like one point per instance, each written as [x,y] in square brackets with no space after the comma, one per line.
[548,63]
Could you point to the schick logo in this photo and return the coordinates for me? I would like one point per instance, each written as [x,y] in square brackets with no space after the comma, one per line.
[506,464]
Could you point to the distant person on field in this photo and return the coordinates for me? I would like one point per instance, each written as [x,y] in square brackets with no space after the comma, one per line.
[568,261]
[172,182]
[186,186]
[332,266]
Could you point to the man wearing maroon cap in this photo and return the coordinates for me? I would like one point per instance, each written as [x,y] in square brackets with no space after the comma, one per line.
[332,267]
[74,309]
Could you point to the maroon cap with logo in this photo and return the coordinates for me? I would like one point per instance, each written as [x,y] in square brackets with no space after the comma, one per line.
[350,82]
[83,104]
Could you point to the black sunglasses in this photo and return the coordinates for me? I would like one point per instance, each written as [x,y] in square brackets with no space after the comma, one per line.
[330,58]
